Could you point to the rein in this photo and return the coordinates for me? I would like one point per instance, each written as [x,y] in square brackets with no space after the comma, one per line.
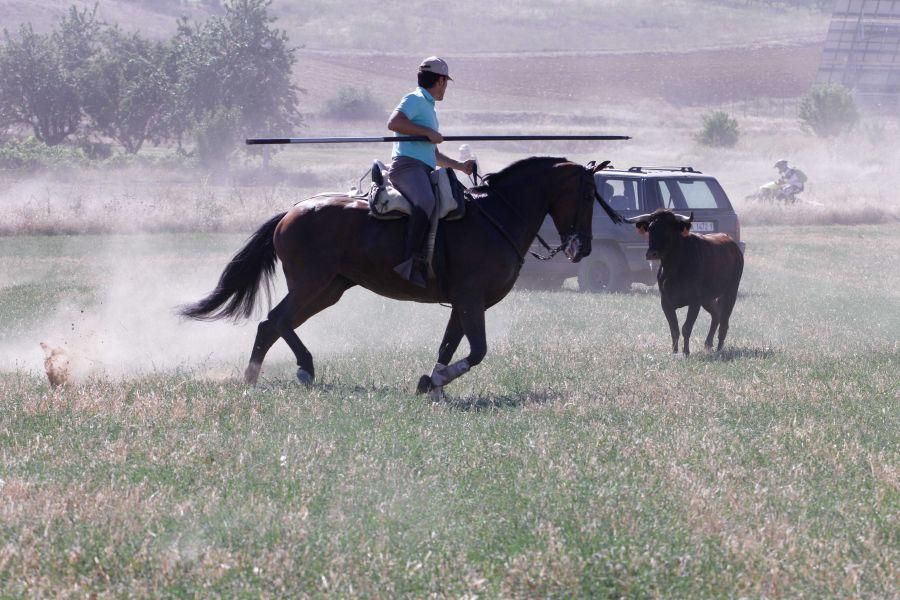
[552,251]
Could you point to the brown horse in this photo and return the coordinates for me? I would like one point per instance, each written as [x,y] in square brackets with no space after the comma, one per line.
[327,246]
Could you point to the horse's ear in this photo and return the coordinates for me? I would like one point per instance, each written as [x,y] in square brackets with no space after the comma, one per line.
[593,167]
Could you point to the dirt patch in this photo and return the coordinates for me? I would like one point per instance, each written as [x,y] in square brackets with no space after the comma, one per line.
[684,78]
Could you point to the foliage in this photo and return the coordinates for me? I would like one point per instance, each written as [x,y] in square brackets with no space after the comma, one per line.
[217,137]
[41,76]
[92,77]
[32,155]
[237,63]
[828,110]
[126,89]
[719,129]
[354,104]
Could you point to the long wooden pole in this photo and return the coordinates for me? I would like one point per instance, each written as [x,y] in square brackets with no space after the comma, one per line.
[447,138]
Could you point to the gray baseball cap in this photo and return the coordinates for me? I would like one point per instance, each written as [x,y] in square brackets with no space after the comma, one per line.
[435,65]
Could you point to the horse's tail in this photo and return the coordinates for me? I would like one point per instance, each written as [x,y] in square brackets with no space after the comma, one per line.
[235,294]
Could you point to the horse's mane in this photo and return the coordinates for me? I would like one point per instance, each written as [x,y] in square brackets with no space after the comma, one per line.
[517,169]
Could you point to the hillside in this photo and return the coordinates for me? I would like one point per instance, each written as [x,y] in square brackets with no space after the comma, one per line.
[416,27]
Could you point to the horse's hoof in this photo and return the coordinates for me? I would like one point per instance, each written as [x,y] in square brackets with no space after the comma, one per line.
[304,377]
[424,385]
[251,375]
[437,394]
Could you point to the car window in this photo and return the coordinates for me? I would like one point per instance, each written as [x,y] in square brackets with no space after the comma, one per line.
[683,194]
[621,194]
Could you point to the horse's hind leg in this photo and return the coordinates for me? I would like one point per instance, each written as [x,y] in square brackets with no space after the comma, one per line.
[290,313]
[266,335]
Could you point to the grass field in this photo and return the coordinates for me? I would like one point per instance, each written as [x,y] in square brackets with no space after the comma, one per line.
[580,459]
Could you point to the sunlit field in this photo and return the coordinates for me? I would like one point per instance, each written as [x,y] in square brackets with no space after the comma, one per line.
[580,459]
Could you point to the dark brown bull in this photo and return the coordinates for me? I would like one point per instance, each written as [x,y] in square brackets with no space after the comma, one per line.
[695,270]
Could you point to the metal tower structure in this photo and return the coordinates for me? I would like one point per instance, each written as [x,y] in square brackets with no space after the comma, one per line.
[862,52]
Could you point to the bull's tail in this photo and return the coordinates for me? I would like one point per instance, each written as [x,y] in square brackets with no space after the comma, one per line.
[239,284]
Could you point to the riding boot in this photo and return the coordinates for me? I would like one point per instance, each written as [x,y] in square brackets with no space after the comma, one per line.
[413,268]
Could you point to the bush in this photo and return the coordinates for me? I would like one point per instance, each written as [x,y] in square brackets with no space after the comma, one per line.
[719,129]
[354,104]
[828,110]
[33,155]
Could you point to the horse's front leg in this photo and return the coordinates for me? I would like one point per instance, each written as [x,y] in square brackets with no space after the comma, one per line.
[452,337]
[471,319]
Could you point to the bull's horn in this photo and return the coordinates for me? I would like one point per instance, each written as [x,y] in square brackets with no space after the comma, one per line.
[640,219]
[685,219]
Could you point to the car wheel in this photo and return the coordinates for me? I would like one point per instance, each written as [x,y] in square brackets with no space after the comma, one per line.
[606,273]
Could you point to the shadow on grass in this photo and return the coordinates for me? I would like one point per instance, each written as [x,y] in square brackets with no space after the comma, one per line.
[475,402]
[482,402]
[730,354]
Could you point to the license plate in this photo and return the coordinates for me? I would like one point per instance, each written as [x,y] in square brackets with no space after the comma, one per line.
[703,226]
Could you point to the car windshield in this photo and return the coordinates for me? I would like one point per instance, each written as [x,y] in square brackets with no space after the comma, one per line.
[683,194]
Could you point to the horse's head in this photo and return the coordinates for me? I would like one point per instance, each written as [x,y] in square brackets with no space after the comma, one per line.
[572,207]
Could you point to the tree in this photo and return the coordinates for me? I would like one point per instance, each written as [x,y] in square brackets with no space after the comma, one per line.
[236,64]
[126,89]
[828,110]
[40,76]
[35,89]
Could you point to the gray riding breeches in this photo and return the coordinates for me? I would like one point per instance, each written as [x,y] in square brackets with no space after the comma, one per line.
[411,178]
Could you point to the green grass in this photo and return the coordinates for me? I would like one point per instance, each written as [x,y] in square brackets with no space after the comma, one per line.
[580,459]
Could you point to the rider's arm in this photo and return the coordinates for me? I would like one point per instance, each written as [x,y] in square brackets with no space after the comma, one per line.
[445,161]
[401,124]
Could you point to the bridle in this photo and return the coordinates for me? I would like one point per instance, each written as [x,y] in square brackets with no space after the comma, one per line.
[565,237]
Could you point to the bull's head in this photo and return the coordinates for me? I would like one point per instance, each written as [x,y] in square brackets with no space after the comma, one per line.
[664,228]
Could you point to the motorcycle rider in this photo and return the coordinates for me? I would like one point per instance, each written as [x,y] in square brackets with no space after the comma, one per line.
[790,182]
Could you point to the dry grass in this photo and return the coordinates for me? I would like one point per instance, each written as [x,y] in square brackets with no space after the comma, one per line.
[579,460]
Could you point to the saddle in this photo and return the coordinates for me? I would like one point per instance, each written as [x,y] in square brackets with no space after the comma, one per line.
[387,203]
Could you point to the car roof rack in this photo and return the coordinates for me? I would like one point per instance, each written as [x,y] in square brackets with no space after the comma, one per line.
[680,169]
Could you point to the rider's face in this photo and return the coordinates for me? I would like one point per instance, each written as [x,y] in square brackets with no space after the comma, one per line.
[440,88]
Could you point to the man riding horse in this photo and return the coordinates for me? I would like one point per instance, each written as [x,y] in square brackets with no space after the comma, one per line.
[413,162]
[331,243]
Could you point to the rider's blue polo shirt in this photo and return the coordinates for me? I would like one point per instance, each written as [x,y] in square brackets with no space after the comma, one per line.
[418,106]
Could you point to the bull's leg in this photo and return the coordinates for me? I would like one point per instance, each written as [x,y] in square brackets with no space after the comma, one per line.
[672,318]
[471,318]
[452,336]
[712,307]
[726,305]
[688,327]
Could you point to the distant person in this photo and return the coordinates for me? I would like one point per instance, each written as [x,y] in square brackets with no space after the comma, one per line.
[413,162]
[790,181]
